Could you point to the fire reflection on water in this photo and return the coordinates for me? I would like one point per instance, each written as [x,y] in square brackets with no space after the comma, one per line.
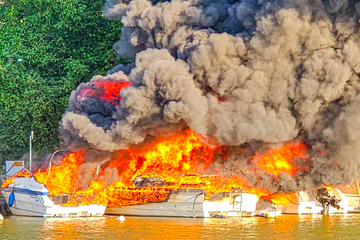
[283,227]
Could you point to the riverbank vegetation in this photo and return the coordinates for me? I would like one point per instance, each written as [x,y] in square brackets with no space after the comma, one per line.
[47,48]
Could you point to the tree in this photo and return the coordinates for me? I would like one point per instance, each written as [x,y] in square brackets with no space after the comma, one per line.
[47,48]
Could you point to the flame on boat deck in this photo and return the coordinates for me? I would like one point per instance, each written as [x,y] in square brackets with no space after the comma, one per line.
[149,174]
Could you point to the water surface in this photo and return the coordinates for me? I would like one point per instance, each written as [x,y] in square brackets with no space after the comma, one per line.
[284,227]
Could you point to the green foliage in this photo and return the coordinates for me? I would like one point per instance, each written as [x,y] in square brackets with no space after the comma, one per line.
[47,48]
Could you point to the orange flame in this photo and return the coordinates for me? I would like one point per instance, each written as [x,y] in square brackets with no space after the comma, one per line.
[149,174]
[22,173]
[327,187]
[60,179]
[282,159]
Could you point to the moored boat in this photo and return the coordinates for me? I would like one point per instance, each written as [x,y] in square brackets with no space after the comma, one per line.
[352,194]
[27,197]
[342,204]
[193,203]
[297,203]
[323,200]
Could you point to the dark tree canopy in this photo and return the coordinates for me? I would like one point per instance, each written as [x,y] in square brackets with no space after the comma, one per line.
[47,48]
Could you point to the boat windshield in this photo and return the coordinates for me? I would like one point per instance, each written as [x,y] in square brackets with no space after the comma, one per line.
[23,173]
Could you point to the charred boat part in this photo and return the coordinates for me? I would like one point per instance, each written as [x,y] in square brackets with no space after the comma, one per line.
[326,200]
[143,182]
[62,199]
[336,203]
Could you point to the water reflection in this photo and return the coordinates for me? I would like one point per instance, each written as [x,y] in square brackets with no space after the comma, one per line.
[283,227]
[73,228]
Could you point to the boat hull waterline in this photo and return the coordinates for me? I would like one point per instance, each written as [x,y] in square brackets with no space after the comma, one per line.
[31,198]
[192,203]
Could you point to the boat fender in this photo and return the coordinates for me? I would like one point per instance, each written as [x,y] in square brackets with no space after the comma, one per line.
[270,215]
[11,199]
[121,218]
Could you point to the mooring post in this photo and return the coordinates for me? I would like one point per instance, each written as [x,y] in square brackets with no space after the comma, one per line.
[31,137]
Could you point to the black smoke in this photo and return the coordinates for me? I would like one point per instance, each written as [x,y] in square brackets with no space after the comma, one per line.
[254,73]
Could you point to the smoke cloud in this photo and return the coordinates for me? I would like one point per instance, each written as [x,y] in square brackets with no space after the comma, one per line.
[245,73]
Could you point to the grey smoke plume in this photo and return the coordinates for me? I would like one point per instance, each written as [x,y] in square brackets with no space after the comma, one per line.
[242,72]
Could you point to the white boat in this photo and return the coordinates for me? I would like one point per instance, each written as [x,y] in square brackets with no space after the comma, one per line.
[297,203]
[27,197]
[352,194]
[192,203]
[306,202]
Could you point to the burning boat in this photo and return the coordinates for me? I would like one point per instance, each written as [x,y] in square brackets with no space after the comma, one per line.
[266,92]
[155,197]
[296,203]
[324,200]
[166,178]
[193,203]
[332,200]
[27,197]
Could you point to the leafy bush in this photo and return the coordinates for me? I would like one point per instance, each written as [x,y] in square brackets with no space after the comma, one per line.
[47,49]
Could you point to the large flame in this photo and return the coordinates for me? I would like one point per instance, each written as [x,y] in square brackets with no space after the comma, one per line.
[22,173]
[60,179]
[283,159]
[149,174]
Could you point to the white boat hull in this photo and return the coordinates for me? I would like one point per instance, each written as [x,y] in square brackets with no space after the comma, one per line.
[302,208]
[352,195]
[304,202]
[297,203]
[191,204]
[344,203]
[32,199]
[34,205]
[353,200]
